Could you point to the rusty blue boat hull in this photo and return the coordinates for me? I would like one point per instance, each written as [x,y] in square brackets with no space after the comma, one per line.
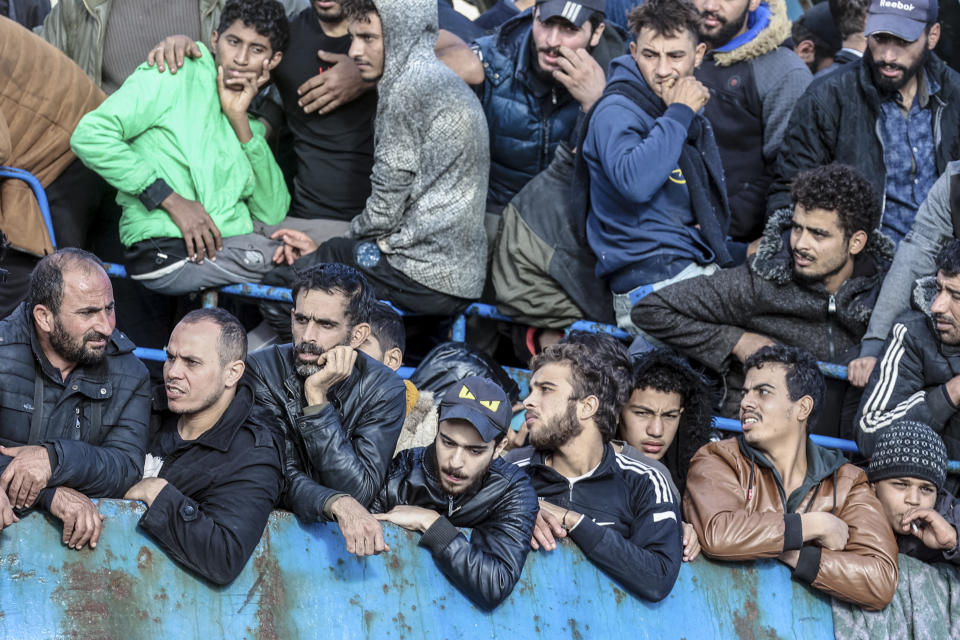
[301,583]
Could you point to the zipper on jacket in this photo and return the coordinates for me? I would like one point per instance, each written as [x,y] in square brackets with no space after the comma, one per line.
[883,202]
[831,311]
[450,509]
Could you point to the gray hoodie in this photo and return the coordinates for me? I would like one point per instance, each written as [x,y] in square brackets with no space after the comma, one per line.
[431,160]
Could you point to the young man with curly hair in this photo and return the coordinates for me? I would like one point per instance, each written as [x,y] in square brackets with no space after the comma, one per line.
[618,509]
[813,283]
[192,169]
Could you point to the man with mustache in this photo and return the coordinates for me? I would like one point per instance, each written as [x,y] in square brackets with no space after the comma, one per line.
[918,377]
[772,493]
[619,509]
[535,74]
[341,410]
[894,115]
[459,481]
[75,400]
[754,83]
[812,283]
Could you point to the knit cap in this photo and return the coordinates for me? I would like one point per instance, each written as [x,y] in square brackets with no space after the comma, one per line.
[908,449]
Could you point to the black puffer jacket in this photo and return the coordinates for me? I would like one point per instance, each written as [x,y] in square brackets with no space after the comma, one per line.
[705,317]
[909,381]
[836,121]
[93,425]
[501,509]
[342,447]
[222,487]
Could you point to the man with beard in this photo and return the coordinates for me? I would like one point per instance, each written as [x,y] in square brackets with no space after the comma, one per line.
[772,493]
[535,74]
[754,83]
[895,115]
[812,283]
[341,411]
[75,400]
[919,374]
[458,481]
[214,468]
[618,509]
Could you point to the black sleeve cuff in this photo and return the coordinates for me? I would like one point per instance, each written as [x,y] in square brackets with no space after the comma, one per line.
[792,532]
[156,193]
[808,564]
[440,534]
[51,448]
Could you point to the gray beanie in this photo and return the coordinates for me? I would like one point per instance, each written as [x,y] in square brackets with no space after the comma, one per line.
[908,449]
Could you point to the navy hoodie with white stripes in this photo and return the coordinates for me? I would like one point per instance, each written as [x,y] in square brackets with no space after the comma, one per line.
[631,526]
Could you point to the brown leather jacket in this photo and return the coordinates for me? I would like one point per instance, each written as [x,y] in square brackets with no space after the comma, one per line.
[737,505]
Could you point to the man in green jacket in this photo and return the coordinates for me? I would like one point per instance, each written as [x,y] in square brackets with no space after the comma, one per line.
[184,144]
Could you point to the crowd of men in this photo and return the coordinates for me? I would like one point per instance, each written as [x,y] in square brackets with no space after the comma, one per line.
[743,196]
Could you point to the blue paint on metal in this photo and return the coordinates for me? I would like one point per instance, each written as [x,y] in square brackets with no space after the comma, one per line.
[486,311]
[262,292]
[115,270]
[150,354]
[301,583]
[599,327]
[458,332]
[38,192]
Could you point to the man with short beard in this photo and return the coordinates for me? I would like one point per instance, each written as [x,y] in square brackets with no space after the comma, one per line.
[458,481]
[812,283]
[75,400]
[918,377]
[341,410]
[894,115]
[618,509]
[754,83]
[214,466]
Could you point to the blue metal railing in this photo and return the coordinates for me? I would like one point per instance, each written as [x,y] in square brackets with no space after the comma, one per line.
[38,193]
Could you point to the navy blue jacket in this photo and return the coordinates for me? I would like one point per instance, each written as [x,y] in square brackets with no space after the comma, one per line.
[501,509]
[93,425]
[631,526]
[221,489]
[527,117]
[641,224]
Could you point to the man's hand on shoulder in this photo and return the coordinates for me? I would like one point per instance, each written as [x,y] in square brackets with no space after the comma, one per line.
[334,87]
[409,517]
[336,365]
[172,51]
[688,91]
[82,523]
[200,234]
[581,75]
[361,531]
[26,475]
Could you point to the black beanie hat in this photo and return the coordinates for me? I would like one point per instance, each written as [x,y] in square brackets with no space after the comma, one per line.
[908,449]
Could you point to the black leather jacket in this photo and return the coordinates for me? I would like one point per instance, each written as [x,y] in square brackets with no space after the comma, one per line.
[93,425]
[341,447]
[501,509]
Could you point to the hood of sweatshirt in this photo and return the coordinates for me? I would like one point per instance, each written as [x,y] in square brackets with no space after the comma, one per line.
[409,33]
